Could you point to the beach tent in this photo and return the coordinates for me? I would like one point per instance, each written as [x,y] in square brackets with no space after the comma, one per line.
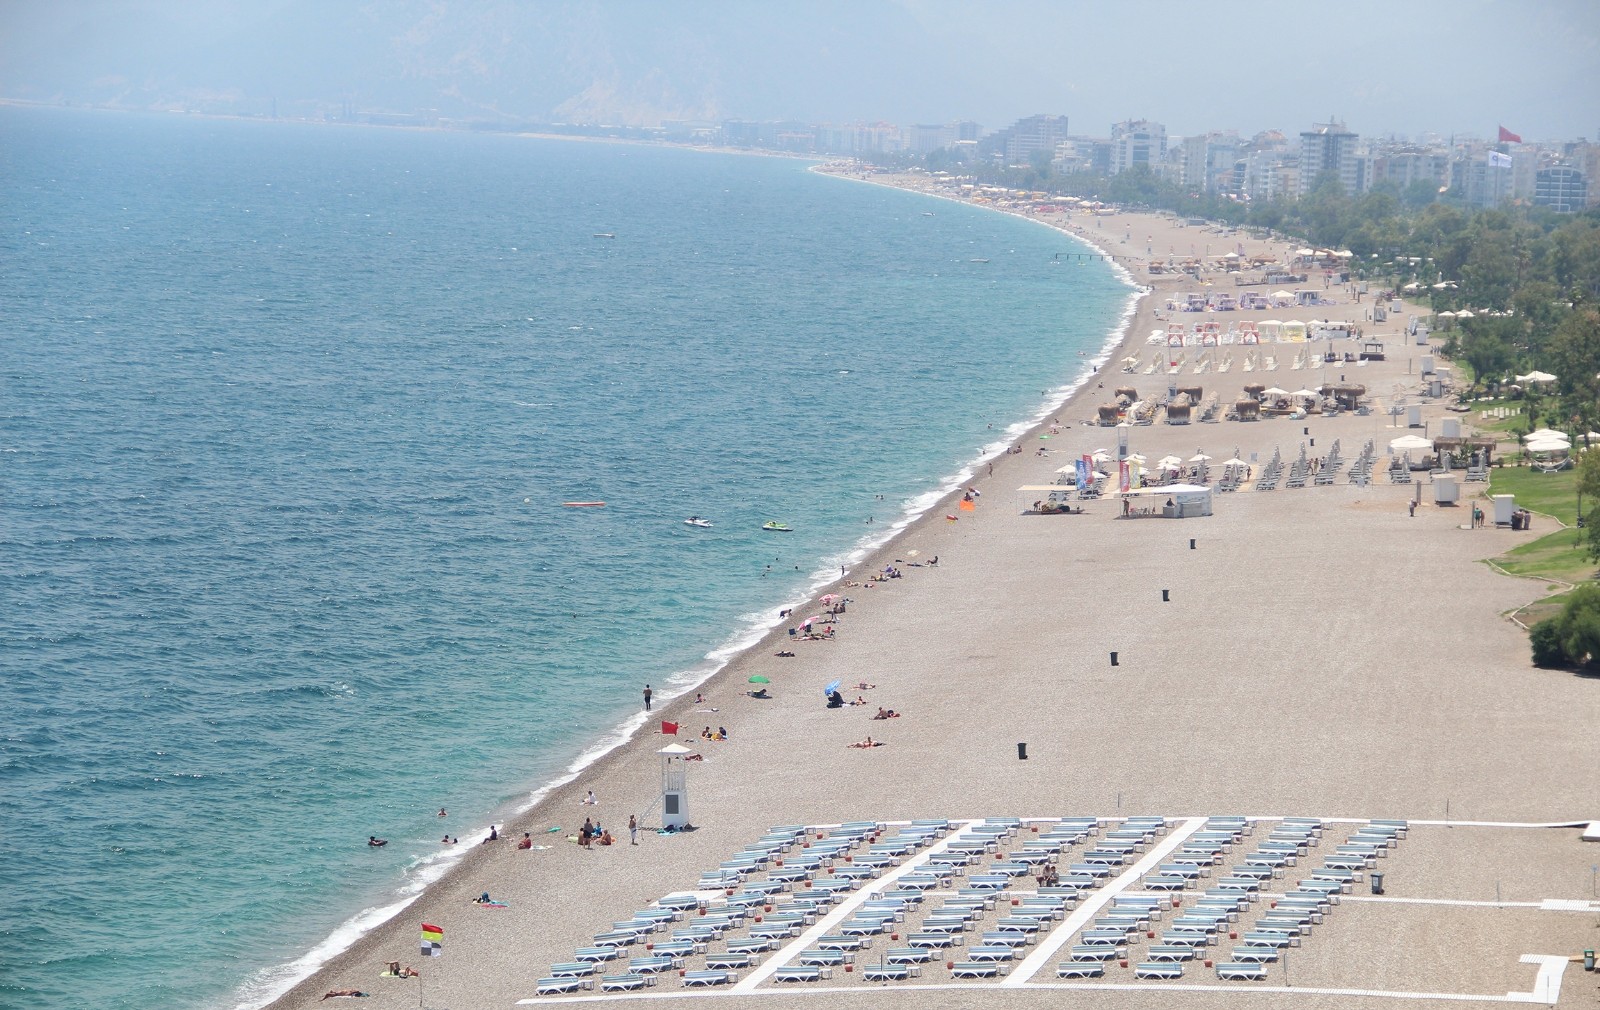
[1548,445]
[1536,376]
[1188,500]
[1533,436]
[1465,314]
[1405,443]
[1274,391]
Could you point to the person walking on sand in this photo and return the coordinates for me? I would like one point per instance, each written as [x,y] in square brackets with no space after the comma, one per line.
[647,695]
[1411,508]
[633,830]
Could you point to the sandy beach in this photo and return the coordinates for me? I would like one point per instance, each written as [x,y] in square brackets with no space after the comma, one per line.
[1318,652]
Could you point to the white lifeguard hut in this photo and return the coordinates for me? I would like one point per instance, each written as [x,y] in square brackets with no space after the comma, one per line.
[674,785]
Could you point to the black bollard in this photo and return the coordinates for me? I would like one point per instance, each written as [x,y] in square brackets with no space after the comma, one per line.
[1313,443]
[1305,431]
[1022,752]
[1191,543]
[1164,597]
[1113,659]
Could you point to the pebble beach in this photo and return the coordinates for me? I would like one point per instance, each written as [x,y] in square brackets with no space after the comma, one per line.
[1316,652]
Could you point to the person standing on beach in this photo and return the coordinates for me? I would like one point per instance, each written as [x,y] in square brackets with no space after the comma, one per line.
[647,696]
[633,830]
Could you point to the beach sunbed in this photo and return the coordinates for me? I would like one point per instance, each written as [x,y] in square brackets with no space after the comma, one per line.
[839,942]
[652,965]
[908,955]
[1096,952]
[625,983]
[1253,954]
[1080,969]
[801,973]
[752,944]
[977,969]
[728,962]
[825,958]
[1158,969]
[558,985]
[706,979]
[994,953]
[928,939]
[573,968]
[596,953]
[1170,952]
[890,972]
[1233,971]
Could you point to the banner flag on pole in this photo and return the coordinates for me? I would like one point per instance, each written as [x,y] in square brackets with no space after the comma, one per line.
[431,935]
[1507,137]
[1498,160]
[1123,476]
[669,728]
[1082,466]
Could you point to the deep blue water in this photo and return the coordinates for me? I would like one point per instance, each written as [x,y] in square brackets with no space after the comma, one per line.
[286,417]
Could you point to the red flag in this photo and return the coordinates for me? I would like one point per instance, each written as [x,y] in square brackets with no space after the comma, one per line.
[669,728]
[1507,137]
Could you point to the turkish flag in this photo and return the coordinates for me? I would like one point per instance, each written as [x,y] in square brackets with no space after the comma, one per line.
[669,728]
[1507,137]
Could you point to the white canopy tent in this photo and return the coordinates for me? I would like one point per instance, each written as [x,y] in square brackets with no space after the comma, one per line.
[1182,501]
[1408,443]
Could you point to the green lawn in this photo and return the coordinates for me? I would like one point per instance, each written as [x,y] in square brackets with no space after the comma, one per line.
[1556,555]
[1554,494]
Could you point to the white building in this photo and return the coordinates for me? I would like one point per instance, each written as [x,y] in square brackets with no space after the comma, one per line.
[1137,142]
[1329,147]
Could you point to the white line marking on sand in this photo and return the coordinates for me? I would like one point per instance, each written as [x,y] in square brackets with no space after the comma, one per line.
[1547,984]
[844,910]
[1091,906]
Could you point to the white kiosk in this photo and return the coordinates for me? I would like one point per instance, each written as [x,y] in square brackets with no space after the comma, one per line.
[674,786]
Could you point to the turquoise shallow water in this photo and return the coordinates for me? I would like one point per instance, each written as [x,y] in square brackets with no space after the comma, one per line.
[286,418]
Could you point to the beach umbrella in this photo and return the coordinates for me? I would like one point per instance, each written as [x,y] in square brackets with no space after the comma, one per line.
[1274,391]
[830,597]
[1411,287]
[1199,457]
[1282,294]
[833,686]
[1166,461]
[1305,392]
[758,679]
[1235,461]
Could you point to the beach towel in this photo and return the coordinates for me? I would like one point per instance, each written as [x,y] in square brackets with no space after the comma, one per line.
[491,904]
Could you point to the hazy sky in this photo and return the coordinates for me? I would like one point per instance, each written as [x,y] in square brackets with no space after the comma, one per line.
[1383,66]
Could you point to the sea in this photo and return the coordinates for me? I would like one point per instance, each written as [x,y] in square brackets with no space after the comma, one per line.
[288,415]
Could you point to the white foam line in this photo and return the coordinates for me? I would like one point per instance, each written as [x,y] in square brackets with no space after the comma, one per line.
[846,908]
[1089,908]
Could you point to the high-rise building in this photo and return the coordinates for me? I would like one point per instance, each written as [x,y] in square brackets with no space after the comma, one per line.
[1329,147]
[1036,133]
[1562,188]
[1137,142]
[1208,161]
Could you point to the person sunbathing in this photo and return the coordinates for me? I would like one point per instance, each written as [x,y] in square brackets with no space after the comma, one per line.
[887,714]
[342,992]
[867,743]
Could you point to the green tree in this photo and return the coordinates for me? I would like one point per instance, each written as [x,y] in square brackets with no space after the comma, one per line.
[1574,357]
[1485,350]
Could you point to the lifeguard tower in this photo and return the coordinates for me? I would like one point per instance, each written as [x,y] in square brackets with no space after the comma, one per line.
[674,786]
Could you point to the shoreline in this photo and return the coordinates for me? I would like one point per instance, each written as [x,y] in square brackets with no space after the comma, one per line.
[995,644]
[521,814]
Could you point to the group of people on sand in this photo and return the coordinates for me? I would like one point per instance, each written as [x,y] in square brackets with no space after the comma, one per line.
[592,834]
[720,735]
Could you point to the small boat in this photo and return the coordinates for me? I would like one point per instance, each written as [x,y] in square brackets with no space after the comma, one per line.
[605,234]
[927,213]
[703,523]
[584,504]
[977,260]
[775,527]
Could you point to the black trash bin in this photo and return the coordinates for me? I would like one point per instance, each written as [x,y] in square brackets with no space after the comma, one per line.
[1377,882]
